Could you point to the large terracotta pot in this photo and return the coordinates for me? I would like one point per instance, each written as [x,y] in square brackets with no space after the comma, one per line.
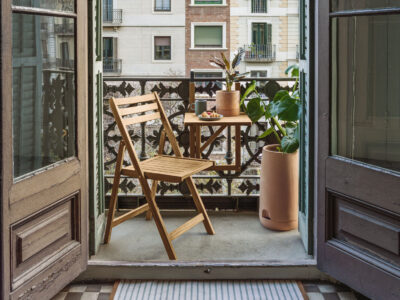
[228,103]
[279,189]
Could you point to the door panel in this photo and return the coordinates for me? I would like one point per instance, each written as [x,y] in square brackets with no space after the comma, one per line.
[358,178]
[44,147]
[306,182]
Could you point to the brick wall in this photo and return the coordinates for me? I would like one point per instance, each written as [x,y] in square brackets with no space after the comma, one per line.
[198,59]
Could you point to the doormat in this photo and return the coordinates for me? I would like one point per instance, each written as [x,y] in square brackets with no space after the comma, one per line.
[210,290]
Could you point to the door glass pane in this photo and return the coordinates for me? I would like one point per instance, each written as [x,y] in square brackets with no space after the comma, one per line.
[43,91]
[366,89]
[60,5]
[338,5]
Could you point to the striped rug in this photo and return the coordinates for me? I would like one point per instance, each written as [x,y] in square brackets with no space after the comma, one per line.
[208,290]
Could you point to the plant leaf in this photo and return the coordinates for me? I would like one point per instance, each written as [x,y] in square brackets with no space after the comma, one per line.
[238,58]
[217,61]
[266,133]
[226,61]
[280,94]
[289,109]
[248,91]
[293,69]
[289,144]
[255,110]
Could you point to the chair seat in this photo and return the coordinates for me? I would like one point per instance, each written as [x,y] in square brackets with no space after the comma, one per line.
[169,168]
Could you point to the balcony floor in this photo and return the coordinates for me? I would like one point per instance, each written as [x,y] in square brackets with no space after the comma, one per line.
[239,237]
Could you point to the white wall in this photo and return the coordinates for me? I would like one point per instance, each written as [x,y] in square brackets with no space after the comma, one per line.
[284,36]
[140,23]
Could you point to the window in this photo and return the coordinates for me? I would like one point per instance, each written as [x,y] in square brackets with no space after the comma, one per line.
[162,48]
[162,5]
[207,74]
[259,6]
[258,74]
[208,36]
[261,33]
[209,2]
[108,47]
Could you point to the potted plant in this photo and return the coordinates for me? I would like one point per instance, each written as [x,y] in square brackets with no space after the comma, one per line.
[278,209]
[228,101]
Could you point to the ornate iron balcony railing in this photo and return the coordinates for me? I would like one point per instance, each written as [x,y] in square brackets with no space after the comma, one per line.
[260,53]
[112,65]
[222,189]
[112,16]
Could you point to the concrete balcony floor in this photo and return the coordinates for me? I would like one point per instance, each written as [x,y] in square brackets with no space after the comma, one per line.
[239,237]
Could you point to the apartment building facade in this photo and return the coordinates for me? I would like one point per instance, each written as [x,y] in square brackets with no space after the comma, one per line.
[173,37]
[207,34]
[268,30]
[144,38]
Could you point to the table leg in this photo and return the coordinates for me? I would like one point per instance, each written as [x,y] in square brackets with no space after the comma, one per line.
[192,141]
[198,141]
[238,160]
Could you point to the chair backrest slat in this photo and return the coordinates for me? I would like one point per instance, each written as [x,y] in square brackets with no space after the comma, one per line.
[138,109]
[141,119]
[134,100]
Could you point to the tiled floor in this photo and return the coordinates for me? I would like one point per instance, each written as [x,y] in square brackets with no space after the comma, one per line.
[314,290]
[85,292]
[328,291]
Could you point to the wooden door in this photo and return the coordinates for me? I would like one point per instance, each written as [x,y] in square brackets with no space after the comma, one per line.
[44,146]
[358,135]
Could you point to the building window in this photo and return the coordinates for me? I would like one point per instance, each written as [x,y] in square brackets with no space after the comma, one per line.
[259,6]
[208,36]
[162,48]
[162,5]
[209,2]
[258,74]
[207,74]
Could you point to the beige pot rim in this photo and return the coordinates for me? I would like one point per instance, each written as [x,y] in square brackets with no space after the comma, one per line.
[231,92]
[272,149]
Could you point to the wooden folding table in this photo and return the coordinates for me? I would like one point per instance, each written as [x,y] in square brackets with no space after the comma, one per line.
[196,147]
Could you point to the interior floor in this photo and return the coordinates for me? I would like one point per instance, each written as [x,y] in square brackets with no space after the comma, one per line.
[239,237]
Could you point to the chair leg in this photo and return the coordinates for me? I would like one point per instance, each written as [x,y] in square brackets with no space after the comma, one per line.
[114,193]
[161,228]
[153,195]
[199,205]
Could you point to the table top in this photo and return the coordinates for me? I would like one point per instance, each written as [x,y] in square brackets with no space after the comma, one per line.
[192,119]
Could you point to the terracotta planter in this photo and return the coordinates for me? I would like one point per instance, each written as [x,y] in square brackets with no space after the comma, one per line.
[228,103]
[279,189]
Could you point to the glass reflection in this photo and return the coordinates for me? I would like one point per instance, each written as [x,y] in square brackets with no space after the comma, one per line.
[60,5]
[338,5]
[43,91]
[366,89]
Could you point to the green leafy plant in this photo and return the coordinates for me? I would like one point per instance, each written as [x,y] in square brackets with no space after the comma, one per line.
[231,75]
[282,113]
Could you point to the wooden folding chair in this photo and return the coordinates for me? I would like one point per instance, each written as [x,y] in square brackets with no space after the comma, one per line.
[134,110]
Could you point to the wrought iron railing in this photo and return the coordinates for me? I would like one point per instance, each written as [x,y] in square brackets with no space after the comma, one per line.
[112,65]
[112,16]
[261,53]
[222,189]
[259,6]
